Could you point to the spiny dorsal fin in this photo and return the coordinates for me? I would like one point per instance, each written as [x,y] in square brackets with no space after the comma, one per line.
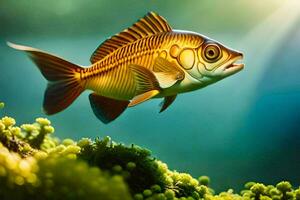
[151,24]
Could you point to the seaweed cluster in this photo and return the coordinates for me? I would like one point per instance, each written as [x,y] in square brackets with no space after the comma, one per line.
[36,165]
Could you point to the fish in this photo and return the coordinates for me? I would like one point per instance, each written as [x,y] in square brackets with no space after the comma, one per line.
[145,61]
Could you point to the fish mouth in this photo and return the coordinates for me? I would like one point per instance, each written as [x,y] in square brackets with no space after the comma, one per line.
[233,66]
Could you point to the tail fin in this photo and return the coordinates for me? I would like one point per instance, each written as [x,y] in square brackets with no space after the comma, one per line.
[64,85]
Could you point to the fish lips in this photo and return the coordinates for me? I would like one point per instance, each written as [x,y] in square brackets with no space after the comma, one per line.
[231,67]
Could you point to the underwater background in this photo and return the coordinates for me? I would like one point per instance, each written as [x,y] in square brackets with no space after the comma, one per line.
[245,127]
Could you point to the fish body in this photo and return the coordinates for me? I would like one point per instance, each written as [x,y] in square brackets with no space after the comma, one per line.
[112,76]
[147,60]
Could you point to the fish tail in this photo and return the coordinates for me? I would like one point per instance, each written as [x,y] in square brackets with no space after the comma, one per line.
[65,83]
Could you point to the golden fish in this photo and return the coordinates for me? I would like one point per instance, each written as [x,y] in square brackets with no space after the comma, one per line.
[147,60]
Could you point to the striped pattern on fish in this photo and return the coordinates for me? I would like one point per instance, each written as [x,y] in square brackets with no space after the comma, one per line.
[147,60]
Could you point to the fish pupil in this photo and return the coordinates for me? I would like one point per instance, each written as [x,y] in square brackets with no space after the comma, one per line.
[211,52]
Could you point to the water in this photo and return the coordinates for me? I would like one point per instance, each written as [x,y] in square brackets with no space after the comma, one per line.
[243,128]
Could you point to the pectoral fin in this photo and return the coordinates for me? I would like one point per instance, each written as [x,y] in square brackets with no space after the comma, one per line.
[147,84]
[166,72]
[167,102]
[143,97]
[144,78]
[107,109]
[166,79]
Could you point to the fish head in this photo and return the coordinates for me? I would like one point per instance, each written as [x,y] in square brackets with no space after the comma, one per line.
[216,61]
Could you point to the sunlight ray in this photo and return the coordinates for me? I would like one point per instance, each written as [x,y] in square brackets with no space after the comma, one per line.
[262,42]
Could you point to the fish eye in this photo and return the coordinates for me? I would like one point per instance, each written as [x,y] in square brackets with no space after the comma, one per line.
[212,53]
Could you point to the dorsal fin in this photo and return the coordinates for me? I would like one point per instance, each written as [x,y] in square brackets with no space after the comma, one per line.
[151,24]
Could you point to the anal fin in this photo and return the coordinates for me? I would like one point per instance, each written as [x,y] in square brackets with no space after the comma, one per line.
[107,109]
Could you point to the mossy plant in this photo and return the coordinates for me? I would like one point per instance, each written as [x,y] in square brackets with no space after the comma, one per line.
[36,165]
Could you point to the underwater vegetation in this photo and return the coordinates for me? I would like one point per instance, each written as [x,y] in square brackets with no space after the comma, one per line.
[36,165]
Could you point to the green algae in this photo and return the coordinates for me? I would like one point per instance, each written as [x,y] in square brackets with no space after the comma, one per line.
[36,165]
[1,105]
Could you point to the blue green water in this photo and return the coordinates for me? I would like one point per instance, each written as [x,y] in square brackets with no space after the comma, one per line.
[245,127]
